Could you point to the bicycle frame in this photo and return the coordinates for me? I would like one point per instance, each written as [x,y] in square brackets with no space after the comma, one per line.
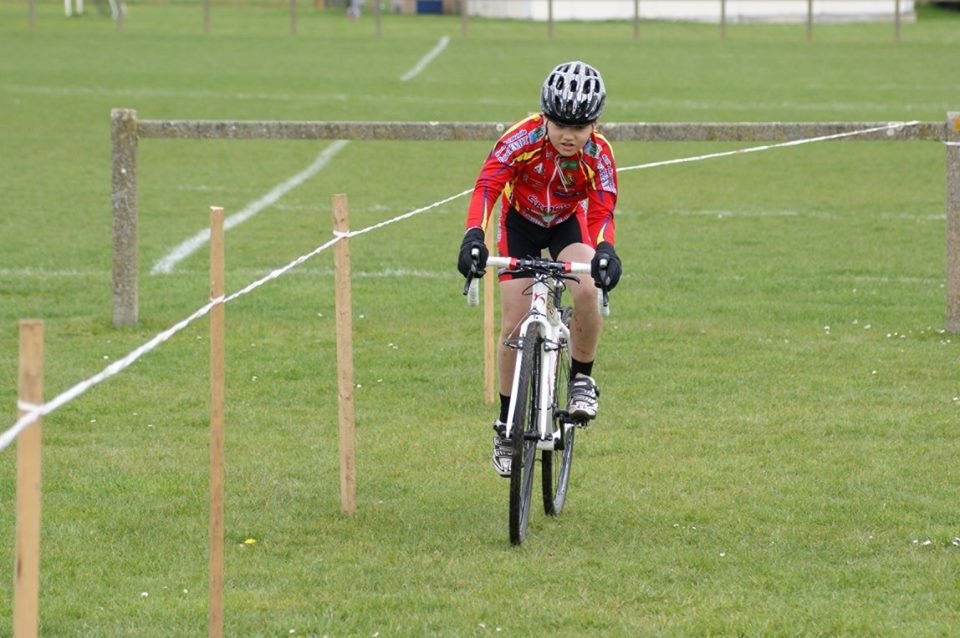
[543,339]
[542,321]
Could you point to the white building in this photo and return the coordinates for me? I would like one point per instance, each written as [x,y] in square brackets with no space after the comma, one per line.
[696,10]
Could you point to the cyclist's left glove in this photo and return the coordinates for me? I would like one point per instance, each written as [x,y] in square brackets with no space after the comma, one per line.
[613,271]
[473,240]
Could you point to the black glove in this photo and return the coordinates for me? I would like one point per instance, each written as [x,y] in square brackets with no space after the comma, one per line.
[473,240]
[614,270]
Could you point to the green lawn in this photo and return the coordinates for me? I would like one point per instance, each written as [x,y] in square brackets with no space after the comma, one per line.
[776,453]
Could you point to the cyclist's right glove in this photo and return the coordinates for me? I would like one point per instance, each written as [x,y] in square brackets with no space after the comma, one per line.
[605,251]
[465,264]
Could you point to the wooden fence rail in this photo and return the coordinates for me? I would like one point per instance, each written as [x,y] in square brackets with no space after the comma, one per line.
[126,130]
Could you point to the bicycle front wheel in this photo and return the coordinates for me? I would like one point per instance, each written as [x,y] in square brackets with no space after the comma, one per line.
[524,434]
[555,468]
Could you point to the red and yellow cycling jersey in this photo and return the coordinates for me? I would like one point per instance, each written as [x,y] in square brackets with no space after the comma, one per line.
[545,187]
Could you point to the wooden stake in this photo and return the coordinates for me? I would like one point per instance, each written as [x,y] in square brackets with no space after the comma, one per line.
[217,400]
[26,574]
[723,19]
[896,20]
[550,19]
[341,259]
[489,328]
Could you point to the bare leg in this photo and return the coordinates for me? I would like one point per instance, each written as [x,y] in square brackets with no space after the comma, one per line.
[513,307]
[586,323]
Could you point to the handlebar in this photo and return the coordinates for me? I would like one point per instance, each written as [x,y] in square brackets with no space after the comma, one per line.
[542,265]
[471,290]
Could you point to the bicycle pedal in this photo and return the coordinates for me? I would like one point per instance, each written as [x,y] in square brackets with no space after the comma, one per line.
[564,417]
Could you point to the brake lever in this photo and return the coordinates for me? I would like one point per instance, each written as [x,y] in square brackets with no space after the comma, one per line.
[471,289]
[604,296]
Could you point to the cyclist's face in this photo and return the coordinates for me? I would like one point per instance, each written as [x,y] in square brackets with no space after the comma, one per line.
[568,140]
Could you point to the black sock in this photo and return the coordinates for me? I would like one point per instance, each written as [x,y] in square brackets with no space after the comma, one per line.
[504,407]
[580,367]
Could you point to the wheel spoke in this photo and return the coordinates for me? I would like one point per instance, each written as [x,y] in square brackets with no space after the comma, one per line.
[524,448]
[556,463]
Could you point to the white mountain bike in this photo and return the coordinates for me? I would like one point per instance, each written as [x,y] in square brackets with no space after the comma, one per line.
[537,418]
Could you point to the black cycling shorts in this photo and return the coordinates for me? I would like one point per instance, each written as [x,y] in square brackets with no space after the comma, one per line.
[519,237]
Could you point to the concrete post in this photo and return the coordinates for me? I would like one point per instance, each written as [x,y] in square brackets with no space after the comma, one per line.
[123,138]
[952,139]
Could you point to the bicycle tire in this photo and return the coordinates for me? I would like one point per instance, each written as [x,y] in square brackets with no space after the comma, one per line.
[524,437]
[555,465]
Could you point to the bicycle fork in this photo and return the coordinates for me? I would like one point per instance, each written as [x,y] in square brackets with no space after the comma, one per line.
[543,404]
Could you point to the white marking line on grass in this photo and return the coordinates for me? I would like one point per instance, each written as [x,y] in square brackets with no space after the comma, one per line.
[644,104]
[379,98]
[191,245]
[767,147]
[427,59]
[44,274]
[402,273]
[116,367]
[99,91]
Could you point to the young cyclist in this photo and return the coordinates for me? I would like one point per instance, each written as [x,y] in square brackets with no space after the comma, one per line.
[558,183]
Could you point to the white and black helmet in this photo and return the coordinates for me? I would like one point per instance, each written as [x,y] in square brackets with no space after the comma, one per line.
[573,94]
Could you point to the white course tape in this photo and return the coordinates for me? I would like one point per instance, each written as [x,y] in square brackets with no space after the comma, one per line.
[952,143]
[279,271]
[354,233]
[26,407]
[116,367]
[767,147]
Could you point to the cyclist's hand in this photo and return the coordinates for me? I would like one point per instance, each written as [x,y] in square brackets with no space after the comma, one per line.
[473,240]
[611,275]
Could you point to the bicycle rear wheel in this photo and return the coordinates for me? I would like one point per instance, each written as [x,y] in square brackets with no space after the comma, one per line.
[525,436]
[555,469]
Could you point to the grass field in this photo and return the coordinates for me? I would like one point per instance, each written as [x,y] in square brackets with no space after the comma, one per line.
[777,448]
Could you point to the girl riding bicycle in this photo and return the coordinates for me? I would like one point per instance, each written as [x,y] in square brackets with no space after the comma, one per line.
[558,180]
